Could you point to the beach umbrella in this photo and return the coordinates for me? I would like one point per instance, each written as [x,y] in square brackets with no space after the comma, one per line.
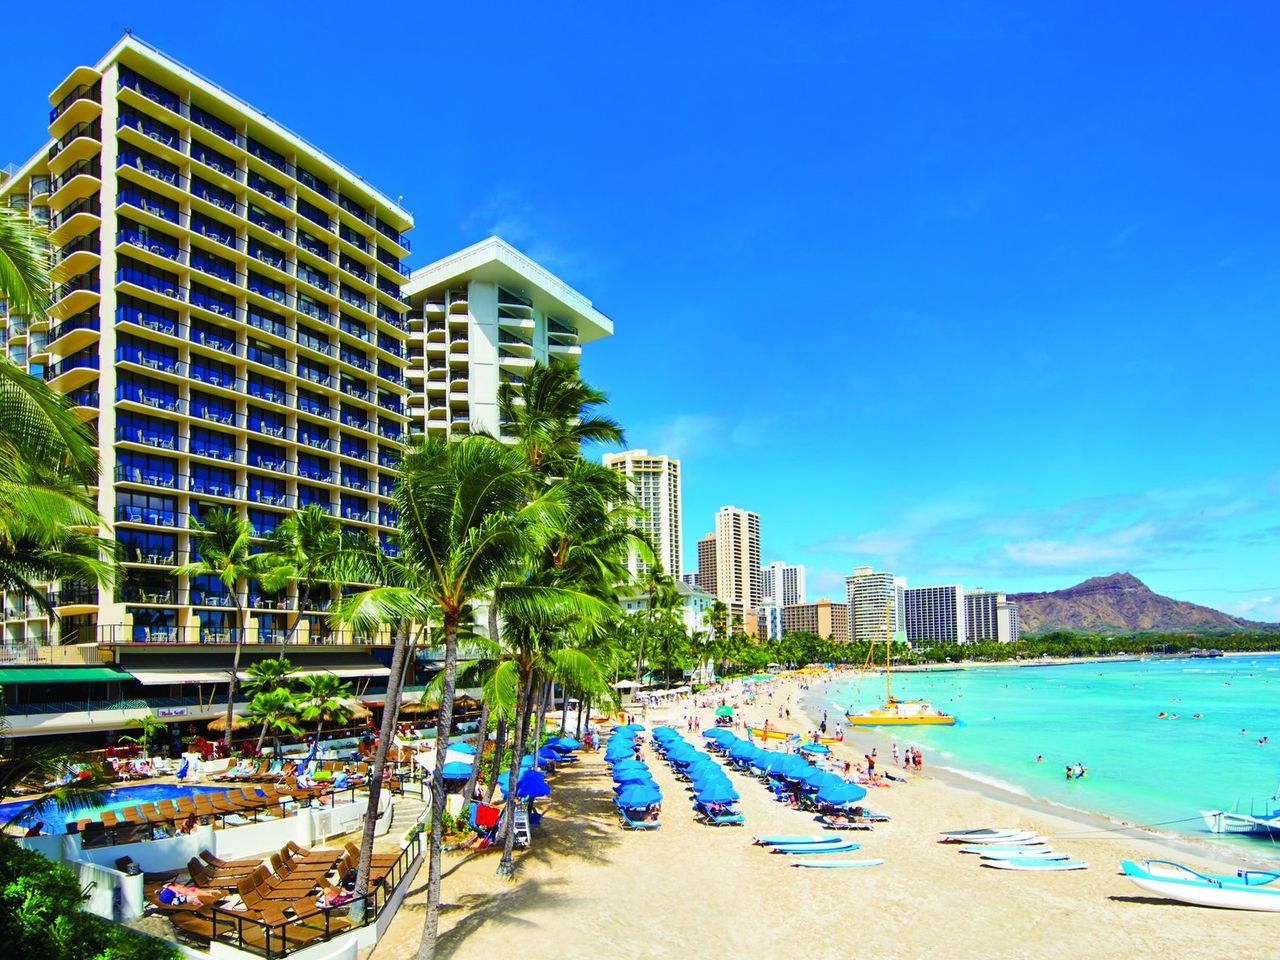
[629,764]
[456,771]
[631,776]
[822,778]
[795,767]
[665,731]
[717,793]
[462,748]
[566,743]
[638,795]
[532,784]
[701,765]
[719,734]
[820,748]
[838,795]
[548,753]
[219,723]
[724,711]
[613,756]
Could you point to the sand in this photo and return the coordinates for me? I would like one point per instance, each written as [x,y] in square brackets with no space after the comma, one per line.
[589,889]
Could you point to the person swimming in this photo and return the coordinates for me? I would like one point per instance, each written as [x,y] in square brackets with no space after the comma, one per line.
[1040,758]
[1161,715]
[1080,770]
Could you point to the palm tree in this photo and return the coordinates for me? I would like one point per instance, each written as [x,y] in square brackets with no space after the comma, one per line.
[224,543]
[325,698]
[267,676]
[304,549]
[718,617]
[276,710]
[24,263]
[557,416]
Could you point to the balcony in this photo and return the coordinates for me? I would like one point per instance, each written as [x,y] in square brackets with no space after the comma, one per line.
[148,517]
[66,150]
[81,103]
[151,244]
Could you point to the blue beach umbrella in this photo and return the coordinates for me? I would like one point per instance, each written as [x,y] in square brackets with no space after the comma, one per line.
[819,748]
[532,784]
[744,751]
[839,794]
[463,747]
[565,743]
[717,793]
[456,770]
[719,734]
[631,763]
[638,795]
[548,753]
[631,776]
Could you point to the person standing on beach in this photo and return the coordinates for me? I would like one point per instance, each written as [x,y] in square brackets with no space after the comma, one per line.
[871,764]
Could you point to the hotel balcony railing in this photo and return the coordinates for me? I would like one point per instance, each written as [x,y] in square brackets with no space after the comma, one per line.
[214,267]
[356,330]
[267,324]
[154,478]
[270,291]
[151,360]
[77,362]
[91,129]
[355,483]
[149,517]
[315,311]
[393,318]
[266,428]
[315,441]
[354,420]
[91,167]
[269,257]
[157,400]
[314,343]
[213,304]
[207,598]
[271,224]
[357,453]
[89,205]
[152,91]
[217,233]
[362,516]
[269,497]
[267,188]
[207,338]
[387,458]
[269,463]
[212,375]
[390,433]
[214,488]
[311,473]
[72,593]
[161,441]
[315,376]
[142,593]
[355,269]
[215,125]
[151,244]
[86,281]
[88,320]
[223,416]
[89,242]
[312,245]
[224,166]
[153,131]
[346,295]
[315,278]
[266,155]
[219,198]
[215,451]
[352,389]
[152,168]
[267,358]
[86,91]
[353,238]
[357,361]
[315,408]
[84,397]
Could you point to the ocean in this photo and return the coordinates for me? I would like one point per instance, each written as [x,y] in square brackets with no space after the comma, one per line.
[1141,769]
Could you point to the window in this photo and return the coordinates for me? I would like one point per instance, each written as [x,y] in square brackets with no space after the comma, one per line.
[207,120]
[146,468]
[213,371]
[267,388]
[145,314]
[213,443]
[219,267]
[155,509]
[211,300]
[141,428]
[206,406]
[215,481]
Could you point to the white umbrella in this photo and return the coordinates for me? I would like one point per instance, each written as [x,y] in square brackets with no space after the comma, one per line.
[625,685]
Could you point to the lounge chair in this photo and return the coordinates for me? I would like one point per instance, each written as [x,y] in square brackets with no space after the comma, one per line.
[728,818]
[247,864]
[629,824]
[378,858]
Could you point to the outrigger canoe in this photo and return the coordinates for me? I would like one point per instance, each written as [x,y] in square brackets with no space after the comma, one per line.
[761,734]
[1247,890]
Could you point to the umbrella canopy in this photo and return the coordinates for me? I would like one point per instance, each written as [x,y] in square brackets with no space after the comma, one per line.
[626,685]
[630,764]
[565,743]
[820,748]
[415,708]
[456,771]
[745,751]
[532,784]
[631,776]
[462,748]
[717,793]
[548,753]
[219,723]
[639,795]
[720,734]
[841,793]
[795,767]
[724,711]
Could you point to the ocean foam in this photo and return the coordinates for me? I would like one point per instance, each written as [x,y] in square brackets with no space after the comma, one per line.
[996,782]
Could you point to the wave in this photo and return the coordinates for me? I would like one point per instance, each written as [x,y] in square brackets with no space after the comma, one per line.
[996,782]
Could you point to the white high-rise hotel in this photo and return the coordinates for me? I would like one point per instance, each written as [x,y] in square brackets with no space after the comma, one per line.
[875,599]
[655,480]
[782,583]
[737,554]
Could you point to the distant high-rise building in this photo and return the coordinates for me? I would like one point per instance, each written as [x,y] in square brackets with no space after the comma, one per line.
[828,620]
[706,576]
[689,579]
[934,614]
[869,593]
[655,481]
[990,617]
[782,583]
[738,558]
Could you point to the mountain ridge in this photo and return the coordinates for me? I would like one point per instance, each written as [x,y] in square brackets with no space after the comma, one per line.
[1123,603]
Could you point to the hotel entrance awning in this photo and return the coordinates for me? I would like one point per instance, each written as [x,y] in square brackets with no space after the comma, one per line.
[13,675]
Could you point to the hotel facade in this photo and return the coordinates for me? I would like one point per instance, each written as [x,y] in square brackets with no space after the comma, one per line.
[233,315]
[655,481]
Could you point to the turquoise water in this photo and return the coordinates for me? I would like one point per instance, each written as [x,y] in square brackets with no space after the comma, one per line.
[1104,715]
[116,799]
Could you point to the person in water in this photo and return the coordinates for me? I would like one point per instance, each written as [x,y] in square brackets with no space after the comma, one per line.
[1079,771]
[1040,758]
[1069,772]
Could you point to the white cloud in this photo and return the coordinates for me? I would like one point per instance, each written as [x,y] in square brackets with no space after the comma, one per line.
[1116,546]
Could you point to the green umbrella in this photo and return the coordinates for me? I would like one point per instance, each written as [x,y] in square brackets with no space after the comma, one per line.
[724,711]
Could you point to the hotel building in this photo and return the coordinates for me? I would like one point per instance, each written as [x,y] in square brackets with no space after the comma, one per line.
[737,549]
[655,481]
[934,614]
[706,576]
[824,618]
[232,314]
[782,583]
[869,593]
[481,318]
[989,616]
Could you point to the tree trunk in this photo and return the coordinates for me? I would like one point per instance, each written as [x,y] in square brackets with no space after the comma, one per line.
[541,725]
[390,711]
[523,709]
[235,670]
[499,748]
[427,948]
[261,737]
[564,711]
[482,736]
[577,726]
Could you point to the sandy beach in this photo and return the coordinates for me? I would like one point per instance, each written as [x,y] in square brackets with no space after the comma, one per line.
[589,889]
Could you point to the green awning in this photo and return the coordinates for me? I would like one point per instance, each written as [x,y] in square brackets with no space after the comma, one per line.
[60,675]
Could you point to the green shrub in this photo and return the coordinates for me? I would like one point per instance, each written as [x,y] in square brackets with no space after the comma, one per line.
[41,919]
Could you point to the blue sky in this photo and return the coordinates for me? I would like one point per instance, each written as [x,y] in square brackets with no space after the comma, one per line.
[974,292]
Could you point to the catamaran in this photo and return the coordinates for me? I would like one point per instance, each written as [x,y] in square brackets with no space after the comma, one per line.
[1247,890]
[896,712]
[1263,818]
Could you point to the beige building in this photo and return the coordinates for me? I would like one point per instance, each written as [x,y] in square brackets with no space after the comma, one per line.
[738,558]
[828,620]
[655,481]
[706,577]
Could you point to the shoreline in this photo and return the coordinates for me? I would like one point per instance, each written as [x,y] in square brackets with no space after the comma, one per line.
[1103,825]
[1064,661]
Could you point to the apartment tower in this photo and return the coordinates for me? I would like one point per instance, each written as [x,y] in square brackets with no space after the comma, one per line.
[869,595]
[990,617]
[824,618]
[934,614]
[738,559]
[782,583]
[707,574]
[479,320]
[655,481]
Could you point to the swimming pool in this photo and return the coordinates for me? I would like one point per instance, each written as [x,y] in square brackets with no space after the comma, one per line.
[117,798]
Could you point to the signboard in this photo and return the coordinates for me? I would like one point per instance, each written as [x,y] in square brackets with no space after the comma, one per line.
[171,712]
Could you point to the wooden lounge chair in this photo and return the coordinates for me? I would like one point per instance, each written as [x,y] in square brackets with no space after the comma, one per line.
[354,853]
[248,864]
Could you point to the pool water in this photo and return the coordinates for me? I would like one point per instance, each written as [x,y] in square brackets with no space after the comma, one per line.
[118,798]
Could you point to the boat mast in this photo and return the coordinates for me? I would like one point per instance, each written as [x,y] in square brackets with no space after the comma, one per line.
[888,632]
